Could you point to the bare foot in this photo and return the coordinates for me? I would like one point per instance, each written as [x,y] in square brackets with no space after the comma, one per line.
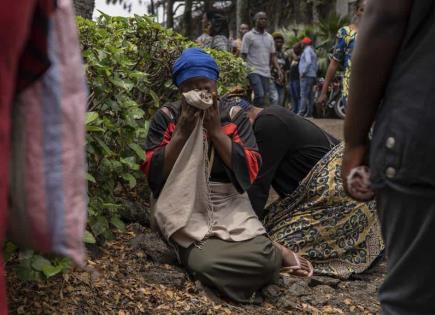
[293,263]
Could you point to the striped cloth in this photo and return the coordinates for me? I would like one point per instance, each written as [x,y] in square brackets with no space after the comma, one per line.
[47,170]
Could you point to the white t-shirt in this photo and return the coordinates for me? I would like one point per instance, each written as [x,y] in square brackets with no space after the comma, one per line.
[258,47]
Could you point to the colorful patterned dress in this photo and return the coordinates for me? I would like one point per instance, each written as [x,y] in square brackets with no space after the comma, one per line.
[346,38]
[318,220]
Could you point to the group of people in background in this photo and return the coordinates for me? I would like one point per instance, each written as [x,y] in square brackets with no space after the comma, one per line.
[278,76]
[275,76]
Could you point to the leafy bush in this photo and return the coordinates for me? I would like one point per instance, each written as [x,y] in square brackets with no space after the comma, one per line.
[128,68]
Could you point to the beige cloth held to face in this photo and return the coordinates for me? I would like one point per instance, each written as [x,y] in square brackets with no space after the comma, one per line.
[189,208]
[185,190]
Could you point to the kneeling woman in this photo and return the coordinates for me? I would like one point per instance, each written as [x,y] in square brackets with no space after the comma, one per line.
[313,217]
[217,235]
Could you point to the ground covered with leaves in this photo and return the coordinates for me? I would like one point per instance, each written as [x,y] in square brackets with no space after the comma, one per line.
[136,274]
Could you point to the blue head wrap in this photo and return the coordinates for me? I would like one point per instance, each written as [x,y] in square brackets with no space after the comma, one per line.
[192,63]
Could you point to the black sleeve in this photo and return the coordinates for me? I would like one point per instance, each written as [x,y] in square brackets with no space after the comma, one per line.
[271,134]
[245,159]
[159,135]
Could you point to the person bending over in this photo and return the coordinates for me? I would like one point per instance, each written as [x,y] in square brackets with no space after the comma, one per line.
[313,215]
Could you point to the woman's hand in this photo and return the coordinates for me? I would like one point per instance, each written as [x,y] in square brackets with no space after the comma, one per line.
[188,118]
[212,120]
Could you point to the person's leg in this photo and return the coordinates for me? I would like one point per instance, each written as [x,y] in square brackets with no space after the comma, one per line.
[267,90]
[310,93]
[274,93]
[408,228]
[295,90]
[236,269]
[256,83]
[16,15]
[305,90]
[281,94]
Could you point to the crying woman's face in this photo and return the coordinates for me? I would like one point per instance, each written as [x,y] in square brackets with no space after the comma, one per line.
[198,83]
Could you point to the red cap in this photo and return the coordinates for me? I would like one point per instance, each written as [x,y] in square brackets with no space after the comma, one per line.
[307,41]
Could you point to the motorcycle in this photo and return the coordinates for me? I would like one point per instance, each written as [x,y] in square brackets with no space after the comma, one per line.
[335,104]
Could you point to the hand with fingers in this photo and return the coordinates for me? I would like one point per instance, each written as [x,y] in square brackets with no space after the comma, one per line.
[355,173]
[212,121]
[188,118]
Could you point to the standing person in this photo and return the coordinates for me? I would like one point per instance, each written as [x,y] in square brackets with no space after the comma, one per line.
[218,30]
[258,49]
[308,73]
[204,39]
[342,55]
[392,85]
[279,84]
[237,43]
[295,85]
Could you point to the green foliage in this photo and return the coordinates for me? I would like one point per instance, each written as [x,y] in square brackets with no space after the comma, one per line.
[328,28]
[128,65]
[34,267]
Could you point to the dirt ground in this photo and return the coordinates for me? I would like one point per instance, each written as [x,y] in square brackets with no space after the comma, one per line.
[137,274]
[333,126]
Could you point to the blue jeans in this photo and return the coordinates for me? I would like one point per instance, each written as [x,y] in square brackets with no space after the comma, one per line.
[261,87]
[307,96]
[295,92]
[277,94]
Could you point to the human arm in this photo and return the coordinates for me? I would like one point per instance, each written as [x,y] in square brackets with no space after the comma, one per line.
[275,64]
[303,63]
[338,57]
[246,43]
[164,143]
[330,74]
[221,142]
[380,36]
[271,134]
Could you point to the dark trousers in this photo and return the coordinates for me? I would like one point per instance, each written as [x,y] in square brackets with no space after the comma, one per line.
[277,94]
[261,87]
[408,228]
[295,92]
[307,96]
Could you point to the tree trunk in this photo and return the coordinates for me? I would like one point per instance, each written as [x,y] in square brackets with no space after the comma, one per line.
[245,17]
[316,13]
[277,6]
[84,8]
[187,18]
[241,15]
[152,8]
[170,13]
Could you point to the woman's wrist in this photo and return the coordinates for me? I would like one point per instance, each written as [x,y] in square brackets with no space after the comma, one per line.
[215,133]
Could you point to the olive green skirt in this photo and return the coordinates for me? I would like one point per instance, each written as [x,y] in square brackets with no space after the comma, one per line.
[237,270]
